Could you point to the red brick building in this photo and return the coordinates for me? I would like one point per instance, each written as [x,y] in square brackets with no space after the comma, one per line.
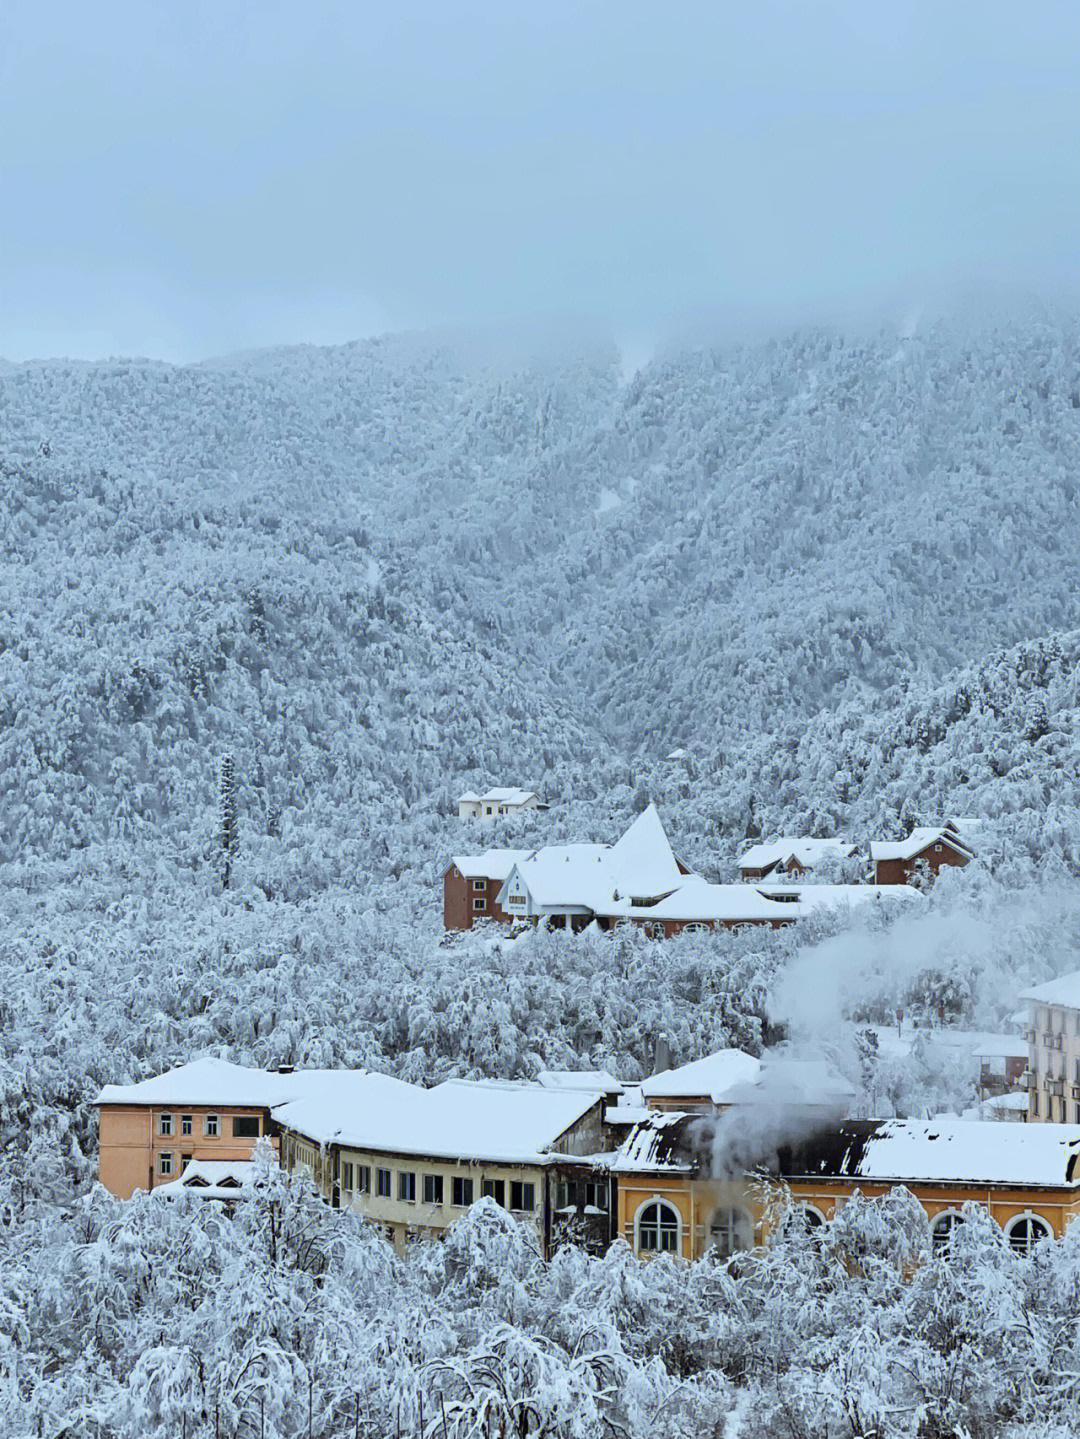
[925,851]
[471,885]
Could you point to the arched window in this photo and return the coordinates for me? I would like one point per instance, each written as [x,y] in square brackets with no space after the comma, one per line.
[941,1231]
[802,1221]
[730,1231]
[658,1228]
[1027,1231]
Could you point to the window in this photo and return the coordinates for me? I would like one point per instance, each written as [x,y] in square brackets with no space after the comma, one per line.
[164,1164]
[245,1126]
[1027,1231]
[164,1124]
[479,904]
[406,1186]
[584,1192]
[522,1196]
[1076,1023]
[802,1222]
[487,810]
[433,1188]
[942,1230]
[1034,1102]
[494,1189]
[658,1228]
[211,1126]
[479,884]
[382,1179]
[730,1231]
[937,848]
[185,1160]
[185,1124]
[346,1177]
[461,1191]
[363,1179]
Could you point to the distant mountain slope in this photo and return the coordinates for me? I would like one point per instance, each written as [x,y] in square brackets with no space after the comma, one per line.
[377,570]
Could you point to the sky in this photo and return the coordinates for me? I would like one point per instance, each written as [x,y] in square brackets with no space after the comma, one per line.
[187,180]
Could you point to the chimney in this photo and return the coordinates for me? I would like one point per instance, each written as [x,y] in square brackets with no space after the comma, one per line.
[661,1054]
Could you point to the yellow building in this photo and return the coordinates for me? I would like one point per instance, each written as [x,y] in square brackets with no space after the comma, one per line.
[210,1112]
[1027,1177]
[415,1166]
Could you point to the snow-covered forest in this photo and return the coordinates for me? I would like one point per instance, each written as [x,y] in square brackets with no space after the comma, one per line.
[843,576]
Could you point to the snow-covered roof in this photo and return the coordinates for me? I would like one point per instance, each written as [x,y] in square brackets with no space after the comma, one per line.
[1065,990]
[591,1081]
[211,1178]
[492,864]
[662,1142]
[492,1120]
[202,1082]
[806,851]
[826,896]
[943,1151]
[626,1113]
[805,1083]
[328,1098]
[306,1099]
[978,1043]
[712,1077]
[918,840]
[604,878]
[509,796]
[469,797]
[1015,1100]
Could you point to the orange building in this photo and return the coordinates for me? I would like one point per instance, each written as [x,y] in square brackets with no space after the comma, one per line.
[926,850]
[670,1200]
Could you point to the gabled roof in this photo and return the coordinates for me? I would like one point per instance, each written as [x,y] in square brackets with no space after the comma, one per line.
[469,797]
[304,1094]
[642,861]
[492,864]
[712,1077]
[918,840]
[509,796]
[211,1179]
[943,1151]
[1065,990]
[202,1082]
[807,851]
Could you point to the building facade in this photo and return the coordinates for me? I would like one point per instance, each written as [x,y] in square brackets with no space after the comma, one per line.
[1053,1039]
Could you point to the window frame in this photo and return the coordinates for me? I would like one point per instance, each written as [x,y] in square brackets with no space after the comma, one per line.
[384,1178]
[433,1189]
[521,1185]
[187,1124]
[211,1126]
[641,1228]
[239,1119]
[479,904]
[165,1125]
[459,1184]
[488,1188]
[940,1243]
[406,1186]
[345,1183]
[165,1162]
[1029,1218]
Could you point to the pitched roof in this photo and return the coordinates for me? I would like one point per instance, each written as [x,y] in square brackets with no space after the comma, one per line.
[807,851]
[662,1142]
[310,1094]
[919,839]
[509,796]
[211,1179]
[806,1083]
[713,1076]
[492,864]
[1065,990]
[941,1151]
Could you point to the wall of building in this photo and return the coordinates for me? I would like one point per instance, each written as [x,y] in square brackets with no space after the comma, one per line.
[459,893]
[1054,1065]
[900,871]
[130,1144]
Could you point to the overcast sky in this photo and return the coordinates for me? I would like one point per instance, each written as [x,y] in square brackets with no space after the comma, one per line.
[185,179]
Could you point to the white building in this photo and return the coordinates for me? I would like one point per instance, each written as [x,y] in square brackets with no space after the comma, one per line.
[497,804]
